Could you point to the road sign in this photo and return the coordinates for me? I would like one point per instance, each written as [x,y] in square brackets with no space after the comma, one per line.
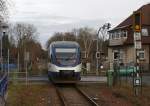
[137,81]
[137,40]
[137,36]
[27,57]
[138,45]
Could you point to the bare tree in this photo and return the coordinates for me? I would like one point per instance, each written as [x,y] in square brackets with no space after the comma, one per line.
[87,36]
[4,4]
[66,36]
[103,36]
[24,33]
[84,36]
[56,37]
[25,37]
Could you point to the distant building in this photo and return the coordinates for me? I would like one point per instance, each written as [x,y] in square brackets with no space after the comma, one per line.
[121,41]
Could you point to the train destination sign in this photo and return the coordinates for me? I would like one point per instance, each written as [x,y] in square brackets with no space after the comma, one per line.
[68,50]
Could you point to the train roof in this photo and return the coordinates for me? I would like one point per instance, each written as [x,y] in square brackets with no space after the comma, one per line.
[65,43]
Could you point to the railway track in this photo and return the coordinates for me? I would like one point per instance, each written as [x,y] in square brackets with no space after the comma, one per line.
[71,95]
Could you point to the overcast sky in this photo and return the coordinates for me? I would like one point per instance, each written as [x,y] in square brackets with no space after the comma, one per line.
[51,16]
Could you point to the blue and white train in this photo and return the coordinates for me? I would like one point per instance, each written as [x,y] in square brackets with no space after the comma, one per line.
[64,62]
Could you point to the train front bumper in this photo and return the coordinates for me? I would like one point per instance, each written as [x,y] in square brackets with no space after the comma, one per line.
[64,75]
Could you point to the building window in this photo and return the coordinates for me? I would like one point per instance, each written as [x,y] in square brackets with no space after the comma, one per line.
[124,34]
[117,35]
[144,32]
[110,36]
[141,54]
[116,55]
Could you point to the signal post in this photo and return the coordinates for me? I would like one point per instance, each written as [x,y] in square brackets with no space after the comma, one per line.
[137,77]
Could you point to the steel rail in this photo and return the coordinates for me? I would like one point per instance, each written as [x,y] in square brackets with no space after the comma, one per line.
[61,96]
[64,101]
[86,96]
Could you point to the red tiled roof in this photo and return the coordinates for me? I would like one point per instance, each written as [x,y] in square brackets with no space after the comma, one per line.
[145,10]
[127,24]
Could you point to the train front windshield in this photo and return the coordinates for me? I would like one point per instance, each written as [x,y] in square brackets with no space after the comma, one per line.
[66,56]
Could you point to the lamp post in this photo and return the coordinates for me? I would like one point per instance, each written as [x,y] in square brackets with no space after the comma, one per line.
[26,59]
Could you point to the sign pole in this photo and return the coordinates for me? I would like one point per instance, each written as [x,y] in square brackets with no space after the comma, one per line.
[137,82]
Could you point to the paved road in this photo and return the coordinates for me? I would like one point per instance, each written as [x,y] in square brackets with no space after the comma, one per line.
[145,79]
[94,79]
[100,79]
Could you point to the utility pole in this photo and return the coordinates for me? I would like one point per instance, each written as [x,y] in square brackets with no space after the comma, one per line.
[97,51]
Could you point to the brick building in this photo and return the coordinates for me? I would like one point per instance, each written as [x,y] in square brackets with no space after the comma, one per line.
[121,41]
